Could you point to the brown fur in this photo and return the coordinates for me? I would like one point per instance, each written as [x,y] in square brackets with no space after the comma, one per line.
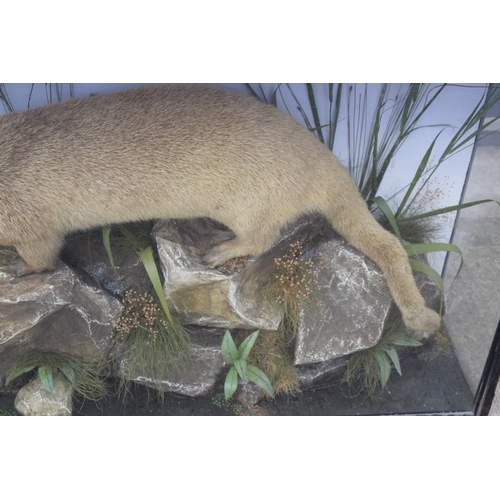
[181,151]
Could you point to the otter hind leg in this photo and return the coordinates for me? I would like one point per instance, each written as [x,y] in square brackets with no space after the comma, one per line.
[361,230]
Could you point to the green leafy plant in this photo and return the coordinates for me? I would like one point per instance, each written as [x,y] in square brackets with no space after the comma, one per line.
[375,135]
[4,99]
[9,413]
[237,358]
[473,125]
[274,356]
[371,368]
[148,339]
[125,240]
[418,248]
[222,402]
[415,249]
[147,258]
[54,92]
[402,216]
[83,376]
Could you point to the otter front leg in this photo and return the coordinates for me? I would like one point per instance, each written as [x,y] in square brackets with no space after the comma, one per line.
[40,253]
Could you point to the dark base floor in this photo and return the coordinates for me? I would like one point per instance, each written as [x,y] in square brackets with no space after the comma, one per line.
[426,387]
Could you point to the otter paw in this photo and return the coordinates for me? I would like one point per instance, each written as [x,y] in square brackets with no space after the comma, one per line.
[426,321]
[18,268]
[215,257]
[221,253]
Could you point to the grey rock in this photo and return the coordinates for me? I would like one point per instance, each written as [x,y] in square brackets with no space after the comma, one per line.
[351,305]
[350,308]
[248,394]
[208,297]
[34,400]
[87,253]
[316,373]
[60,311]
[65,311]
[199,378]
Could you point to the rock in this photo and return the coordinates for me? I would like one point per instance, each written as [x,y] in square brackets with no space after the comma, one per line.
[352,304]
[248,394]
[315,373]
[86,252]
[350,307]
[65,311]
[208,297]
[34,400]
[198,379]
[61,311]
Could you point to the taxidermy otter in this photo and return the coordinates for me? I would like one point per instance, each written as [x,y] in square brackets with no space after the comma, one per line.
[182,152]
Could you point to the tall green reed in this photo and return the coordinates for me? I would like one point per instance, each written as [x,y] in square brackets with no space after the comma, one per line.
[376,133]
[54,92]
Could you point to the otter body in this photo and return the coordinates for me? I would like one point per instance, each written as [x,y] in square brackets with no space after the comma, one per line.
[181,152]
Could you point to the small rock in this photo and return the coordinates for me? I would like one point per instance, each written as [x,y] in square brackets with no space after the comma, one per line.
[248,394]
[34,400]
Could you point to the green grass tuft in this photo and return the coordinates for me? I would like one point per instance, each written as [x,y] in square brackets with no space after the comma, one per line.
[148,344]
[84,376]
[368,370]
[274,357]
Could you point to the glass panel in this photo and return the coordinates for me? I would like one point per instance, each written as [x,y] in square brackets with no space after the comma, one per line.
[365,126]
[473,298]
